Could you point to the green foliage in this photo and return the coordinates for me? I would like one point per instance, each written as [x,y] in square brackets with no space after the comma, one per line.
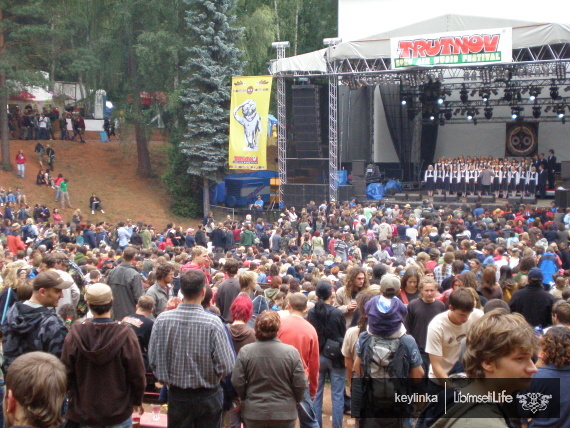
[183,188]
[260,30]
[213,58]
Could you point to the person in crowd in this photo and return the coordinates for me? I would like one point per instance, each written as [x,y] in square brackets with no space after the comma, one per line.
[190,334]
[105,366]
[355,282]
[330,324]
[32,325]
[420,313]
[95,204]
[444,334]
[64,193]
[228,289]
[142,325]
[161,290]
[21,163]
[269,400]
[533,302]
[299,333]
[125,281]
[34,391]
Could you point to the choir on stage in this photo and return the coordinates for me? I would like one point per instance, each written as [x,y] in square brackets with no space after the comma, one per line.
[488,175]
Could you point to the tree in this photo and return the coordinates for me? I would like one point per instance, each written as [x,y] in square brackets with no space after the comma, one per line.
[22,50]
[213,59]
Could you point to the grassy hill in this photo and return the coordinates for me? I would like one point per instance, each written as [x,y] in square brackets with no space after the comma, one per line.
[108,169]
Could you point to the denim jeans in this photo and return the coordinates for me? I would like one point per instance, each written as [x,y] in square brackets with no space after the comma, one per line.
[337,377]
[21,169]
[306,412]
[125,424]
[57,193]
[189,408]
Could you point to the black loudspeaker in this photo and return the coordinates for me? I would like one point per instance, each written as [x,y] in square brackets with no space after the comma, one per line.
[439,198]
[346,193]
[358,169]
[487,199]
[562,198]
[529,200]
[401,196]
[302,194]
[565,170]
[359,179]
[307,120]
[514,200]
[472,199]
[414,196]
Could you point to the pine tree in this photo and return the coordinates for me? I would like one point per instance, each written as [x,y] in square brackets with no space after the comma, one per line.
[213,59]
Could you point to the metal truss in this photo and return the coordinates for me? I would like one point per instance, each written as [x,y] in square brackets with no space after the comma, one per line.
[333,126]
[281,123]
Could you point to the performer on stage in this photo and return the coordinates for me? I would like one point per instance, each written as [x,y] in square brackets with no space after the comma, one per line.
[472,178]
[429,179]
[447,179]
[439,179]
[550,166]
[532,180]
[497,176]
[513,180]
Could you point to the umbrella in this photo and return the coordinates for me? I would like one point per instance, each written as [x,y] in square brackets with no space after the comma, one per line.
[22,96]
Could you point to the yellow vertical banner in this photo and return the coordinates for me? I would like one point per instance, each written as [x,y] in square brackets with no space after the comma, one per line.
[248,122]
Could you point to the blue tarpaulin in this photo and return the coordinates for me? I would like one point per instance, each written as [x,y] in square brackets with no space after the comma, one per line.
[218,192]
[271,122]
[375,191]
[394,184]
[342,177]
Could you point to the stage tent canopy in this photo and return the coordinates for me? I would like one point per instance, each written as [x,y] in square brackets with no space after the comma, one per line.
[525,35]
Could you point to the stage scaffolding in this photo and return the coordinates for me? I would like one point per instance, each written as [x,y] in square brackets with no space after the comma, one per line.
[535,68]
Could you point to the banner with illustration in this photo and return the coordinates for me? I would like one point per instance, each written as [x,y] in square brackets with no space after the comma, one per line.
[475,47]
[248,115]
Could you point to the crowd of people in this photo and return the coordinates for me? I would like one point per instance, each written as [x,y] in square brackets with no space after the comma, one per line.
[245,321]
[493,176]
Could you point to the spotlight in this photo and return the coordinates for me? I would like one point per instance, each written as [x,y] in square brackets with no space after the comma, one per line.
[560,113]
[516,112]
[488,112]
[536,111]
[508,95]
[554,91]
[470,115]
[447,114]
[485,94]
[463,95]
[432,118]
[440,100]
[514,115]
[441,121]
[533,94]
[404,101]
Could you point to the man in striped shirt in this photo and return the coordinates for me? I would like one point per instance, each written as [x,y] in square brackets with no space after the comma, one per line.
[190,352]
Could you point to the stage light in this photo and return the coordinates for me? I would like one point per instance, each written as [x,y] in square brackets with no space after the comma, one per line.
[533,95]
[547,109]
[514,113]
[508,95]
[432,118]
[554,91]
[488,112]
[440,100]
[404,101]
[447,114]
[463,95]
[470,114]
[514,116]
[441,121]
[475,121]
[560,113]
[536,112]
[485,94]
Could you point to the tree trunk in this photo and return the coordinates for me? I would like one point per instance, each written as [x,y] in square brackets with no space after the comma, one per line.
[277,20]
[206,196]
[4,129]
[143,155]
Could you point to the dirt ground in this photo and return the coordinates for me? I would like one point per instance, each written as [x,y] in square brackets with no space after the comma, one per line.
[109,169]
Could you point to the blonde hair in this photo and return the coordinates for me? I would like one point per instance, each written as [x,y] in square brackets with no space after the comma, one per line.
[246,279]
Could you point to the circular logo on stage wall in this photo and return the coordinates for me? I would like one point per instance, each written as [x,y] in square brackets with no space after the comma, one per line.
[522,139]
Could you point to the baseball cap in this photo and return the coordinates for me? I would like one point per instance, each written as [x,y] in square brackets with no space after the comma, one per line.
[535,273]
[390,281]
[98,294]
[51,279]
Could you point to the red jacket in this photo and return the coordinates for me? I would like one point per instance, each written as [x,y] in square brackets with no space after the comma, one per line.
[20,158]
[15,243]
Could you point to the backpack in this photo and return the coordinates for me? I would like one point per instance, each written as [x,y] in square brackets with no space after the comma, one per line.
[306,248]
[378,363]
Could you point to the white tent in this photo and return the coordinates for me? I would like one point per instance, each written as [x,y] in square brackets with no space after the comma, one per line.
[40,94]
[525,35]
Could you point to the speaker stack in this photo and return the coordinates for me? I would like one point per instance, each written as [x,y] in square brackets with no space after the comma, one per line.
[487,199]
[562,198]
[472,199]
[307,121]
[359,179]
[565,174]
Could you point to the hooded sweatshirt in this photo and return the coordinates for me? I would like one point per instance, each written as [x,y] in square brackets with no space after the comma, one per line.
[106,372]
[242,334]
[385,315]
[29,329]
